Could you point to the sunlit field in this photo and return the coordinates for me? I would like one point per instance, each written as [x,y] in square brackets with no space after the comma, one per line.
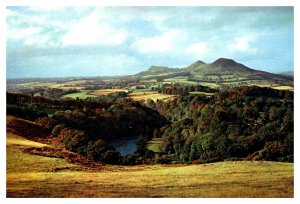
[80,95]
[32,175]
[102,92]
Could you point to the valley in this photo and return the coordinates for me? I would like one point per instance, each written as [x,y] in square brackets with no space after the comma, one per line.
[221,74]
[53,176]
[206,130]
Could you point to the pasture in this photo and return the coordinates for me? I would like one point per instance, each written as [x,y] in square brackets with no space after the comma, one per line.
[80,95]
[138,96]
[103,92]
[46,172]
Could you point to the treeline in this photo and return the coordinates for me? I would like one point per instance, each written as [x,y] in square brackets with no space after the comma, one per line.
[185,89]
[63,104]
[249,123]
[88,128]
[246,122]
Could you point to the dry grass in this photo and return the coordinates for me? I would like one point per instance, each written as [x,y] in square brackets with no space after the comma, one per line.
[72,87]
[102,92]
[226,179]
[31,175]
[138,96]
[290,88]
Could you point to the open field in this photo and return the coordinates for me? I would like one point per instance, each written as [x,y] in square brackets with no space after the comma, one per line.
[30,174]
[103,92]
[290,88]
[155,145]
[137,96]
[80,95]
[203,93]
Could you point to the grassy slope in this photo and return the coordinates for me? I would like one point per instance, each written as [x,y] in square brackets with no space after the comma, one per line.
[30,175]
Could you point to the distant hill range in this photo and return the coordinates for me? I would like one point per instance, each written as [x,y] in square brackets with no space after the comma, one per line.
[221,71]
[288,73]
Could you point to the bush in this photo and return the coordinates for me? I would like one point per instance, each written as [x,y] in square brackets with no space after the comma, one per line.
[74,140]
[271,151]
[111,156]
[46,122]
[56,130]
[96,149]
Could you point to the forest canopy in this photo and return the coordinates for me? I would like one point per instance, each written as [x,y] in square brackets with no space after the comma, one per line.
[244,123]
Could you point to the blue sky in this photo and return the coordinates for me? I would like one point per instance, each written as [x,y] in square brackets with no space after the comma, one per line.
[102,41]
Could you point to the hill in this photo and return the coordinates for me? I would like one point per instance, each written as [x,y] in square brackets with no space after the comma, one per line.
[223,71]
[37,173]
[157,70]
[232,69]
[288,73]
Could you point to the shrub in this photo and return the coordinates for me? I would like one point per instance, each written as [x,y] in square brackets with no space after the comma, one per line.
[271,151]
[56,130]
[96,149]
[46,122]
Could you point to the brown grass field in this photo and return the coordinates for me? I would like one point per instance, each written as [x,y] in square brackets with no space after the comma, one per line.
[102,92]
[138,96]
[41,167]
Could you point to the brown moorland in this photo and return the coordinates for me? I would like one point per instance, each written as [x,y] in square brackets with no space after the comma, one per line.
[43,168]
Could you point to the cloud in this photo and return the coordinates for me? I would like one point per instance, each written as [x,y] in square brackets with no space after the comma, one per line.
[166,42]
[242,44]
[150,35]
[28,29]
[47,8]
[157,19]
[90,31]
[198,49]
[21,34]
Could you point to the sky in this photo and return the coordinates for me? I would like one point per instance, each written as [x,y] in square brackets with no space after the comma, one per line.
[110,41]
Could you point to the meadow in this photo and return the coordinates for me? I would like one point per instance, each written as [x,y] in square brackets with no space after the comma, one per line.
[80,95]
[103,92]
[44,175]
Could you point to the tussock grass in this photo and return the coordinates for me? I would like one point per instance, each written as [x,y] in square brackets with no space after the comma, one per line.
[30,175]
[226,179]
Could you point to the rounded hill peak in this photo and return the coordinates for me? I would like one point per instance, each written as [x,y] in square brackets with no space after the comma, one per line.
[196,64]
[225,62]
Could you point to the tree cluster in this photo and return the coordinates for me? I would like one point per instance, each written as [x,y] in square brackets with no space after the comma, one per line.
[247,122]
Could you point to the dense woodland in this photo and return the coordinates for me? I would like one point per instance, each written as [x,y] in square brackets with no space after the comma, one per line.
[178,89]
[244,123]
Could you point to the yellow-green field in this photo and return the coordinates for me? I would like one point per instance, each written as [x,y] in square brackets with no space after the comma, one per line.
[138,96]
[290,88]
[155,145]
[30,175]
[203,93]
[103,92]
[80,95]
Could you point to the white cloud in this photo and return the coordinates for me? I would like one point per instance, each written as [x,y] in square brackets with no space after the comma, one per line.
[198,49]
[169,41]
[242,44]
[9,12]
[47,8]
[90,30]
[33,30]
[158,20]
[21,34]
